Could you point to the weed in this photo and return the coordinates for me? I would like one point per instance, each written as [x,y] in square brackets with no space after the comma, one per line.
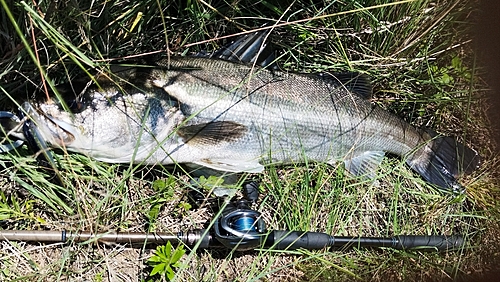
[165,260]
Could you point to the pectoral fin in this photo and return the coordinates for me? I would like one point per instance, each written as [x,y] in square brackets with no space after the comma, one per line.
[211,133]
[232,165]
[365,164]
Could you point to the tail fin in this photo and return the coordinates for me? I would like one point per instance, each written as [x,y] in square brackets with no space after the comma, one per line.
[445,162]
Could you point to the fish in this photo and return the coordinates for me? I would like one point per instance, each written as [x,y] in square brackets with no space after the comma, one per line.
[235,117]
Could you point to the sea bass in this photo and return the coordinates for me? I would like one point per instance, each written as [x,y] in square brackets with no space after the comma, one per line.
[236,117]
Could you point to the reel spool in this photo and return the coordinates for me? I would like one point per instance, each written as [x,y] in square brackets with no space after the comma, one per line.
[239,227]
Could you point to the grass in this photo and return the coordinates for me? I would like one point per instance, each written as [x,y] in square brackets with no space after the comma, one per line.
[418,54]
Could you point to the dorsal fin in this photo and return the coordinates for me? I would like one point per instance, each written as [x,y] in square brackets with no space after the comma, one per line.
[354,81]
[248,48]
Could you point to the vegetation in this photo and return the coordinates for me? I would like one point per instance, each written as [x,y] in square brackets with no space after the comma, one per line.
[165,260]
[419,56]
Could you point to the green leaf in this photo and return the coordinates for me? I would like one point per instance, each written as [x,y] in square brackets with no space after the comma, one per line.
[272,7]
[456,63]
[179,252]
[446,78]
[155,259]
[165,259]
[165,186]
[154,211]
[159,184]
[211,181]
[185,206]
[159,268]
[168,249]
[170,273]
[162,255]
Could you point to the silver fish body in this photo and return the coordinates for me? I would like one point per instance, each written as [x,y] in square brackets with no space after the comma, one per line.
[235,117]
[288,117]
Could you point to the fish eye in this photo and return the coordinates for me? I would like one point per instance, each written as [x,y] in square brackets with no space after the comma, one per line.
[75,106]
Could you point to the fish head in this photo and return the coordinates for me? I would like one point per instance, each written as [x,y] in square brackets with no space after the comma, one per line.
[54,125]
[107,122]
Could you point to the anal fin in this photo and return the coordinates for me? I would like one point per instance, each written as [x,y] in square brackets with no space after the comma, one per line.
[365,164]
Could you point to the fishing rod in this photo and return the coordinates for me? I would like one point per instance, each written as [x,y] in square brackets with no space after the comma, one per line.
[240,228]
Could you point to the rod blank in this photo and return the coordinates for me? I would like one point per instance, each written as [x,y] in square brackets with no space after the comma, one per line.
[65,236]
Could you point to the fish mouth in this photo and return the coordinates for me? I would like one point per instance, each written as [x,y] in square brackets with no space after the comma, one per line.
[48,128]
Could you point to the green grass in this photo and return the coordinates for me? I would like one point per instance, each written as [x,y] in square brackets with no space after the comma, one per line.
[418,54]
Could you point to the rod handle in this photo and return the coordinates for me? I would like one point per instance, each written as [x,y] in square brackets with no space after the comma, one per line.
[441,243]
[293,240]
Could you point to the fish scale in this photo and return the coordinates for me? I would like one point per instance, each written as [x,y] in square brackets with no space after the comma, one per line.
[325,124]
